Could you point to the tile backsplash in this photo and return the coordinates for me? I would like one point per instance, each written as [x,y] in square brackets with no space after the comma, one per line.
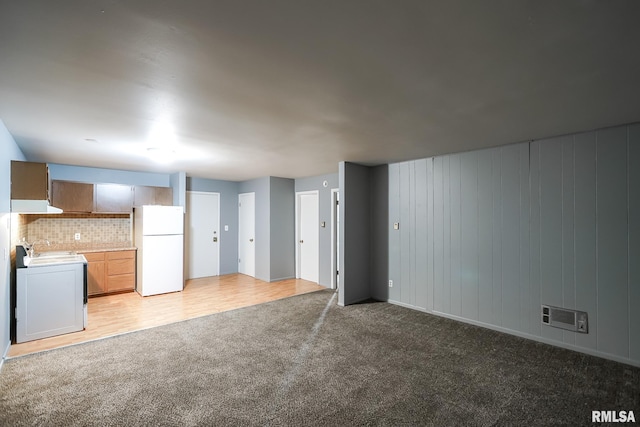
[18,228]
[92,228]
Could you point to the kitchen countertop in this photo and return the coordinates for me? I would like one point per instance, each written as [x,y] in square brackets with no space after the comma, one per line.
[87,247]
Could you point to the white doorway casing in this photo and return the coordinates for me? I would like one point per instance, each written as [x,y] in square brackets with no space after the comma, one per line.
[307,236]
[335,238]
[203,234]
[246,234]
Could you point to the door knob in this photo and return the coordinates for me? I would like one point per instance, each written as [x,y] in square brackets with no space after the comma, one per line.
[251,240]
[215,239]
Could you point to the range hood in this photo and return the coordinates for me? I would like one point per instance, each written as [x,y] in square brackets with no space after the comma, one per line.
[33,207]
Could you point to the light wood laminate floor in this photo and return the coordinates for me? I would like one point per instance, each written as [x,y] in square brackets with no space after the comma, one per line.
[117,314]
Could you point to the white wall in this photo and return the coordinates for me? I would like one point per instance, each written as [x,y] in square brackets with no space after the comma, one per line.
[488,236]
[8,151]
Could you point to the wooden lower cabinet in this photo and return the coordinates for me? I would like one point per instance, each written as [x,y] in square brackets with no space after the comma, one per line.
[96,284]
[121,271]
[110,272]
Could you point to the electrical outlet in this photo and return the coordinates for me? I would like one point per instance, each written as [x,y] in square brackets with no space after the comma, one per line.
[76,236]
[391,283]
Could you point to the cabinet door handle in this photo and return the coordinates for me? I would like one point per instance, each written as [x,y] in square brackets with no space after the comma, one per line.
[251,240]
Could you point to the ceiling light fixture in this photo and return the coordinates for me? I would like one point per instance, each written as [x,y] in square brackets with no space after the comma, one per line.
[162,142]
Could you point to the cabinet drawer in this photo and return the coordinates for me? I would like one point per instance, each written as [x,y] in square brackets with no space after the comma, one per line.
[123,282]
[94,256]
[121,255]
[121,266]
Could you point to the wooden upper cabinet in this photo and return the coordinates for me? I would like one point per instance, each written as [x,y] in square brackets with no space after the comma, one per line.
[72,196]
[80,196]
[145,195]
[29,181]
[113,198]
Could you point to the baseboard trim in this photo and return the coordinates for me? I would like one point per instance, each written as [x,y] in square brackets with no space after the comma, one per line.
[282,278]
[525,335]
[4,354]
[405,305]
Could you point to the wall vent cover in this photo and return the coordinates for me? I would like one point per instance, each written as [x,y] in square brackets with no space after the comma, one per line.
[571,320]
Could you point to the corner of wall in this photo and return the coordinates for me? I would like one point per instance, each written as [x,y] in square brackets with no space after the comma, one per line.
[11,151]
[281,228]
[379,193]
[355,228]
[178,182]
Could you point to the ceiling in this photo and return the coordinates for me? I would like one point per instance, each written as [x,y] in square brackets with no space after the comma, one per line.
[240,89]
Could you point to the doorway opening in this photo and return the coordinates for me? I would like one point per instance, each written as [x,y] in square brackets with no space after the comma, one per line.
[202,234]
[246,234]
[335,238]
[307,236]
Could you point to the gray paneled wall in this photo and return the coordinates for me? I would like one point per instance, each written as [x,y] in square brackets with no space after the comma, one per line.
[633,169]
[488,236]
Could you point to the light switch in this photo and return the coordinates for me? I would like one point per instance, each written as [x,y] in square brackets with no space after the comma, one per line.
[226,228]
[323,224]
[396,226]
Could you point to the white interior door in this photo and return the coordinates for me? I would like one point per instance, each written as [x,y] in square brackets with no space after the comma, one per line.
[308,236]
[246,234]
[203,234]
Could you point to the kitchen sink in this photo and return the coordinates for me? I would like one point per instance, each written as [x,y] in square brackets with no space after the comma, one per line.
[60,258]
[55,254]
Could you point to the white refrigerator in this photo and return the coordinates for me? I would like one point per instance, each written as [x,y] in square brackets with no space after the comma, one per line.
[158,234]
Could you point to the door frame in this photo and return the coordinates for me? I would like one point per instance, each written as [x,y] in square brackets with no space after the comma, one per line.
[217,226]
[297,233]
[335,197]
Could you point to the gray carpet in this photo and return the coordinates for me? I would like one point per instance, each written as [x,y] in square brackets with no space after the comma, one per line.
[302,361]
